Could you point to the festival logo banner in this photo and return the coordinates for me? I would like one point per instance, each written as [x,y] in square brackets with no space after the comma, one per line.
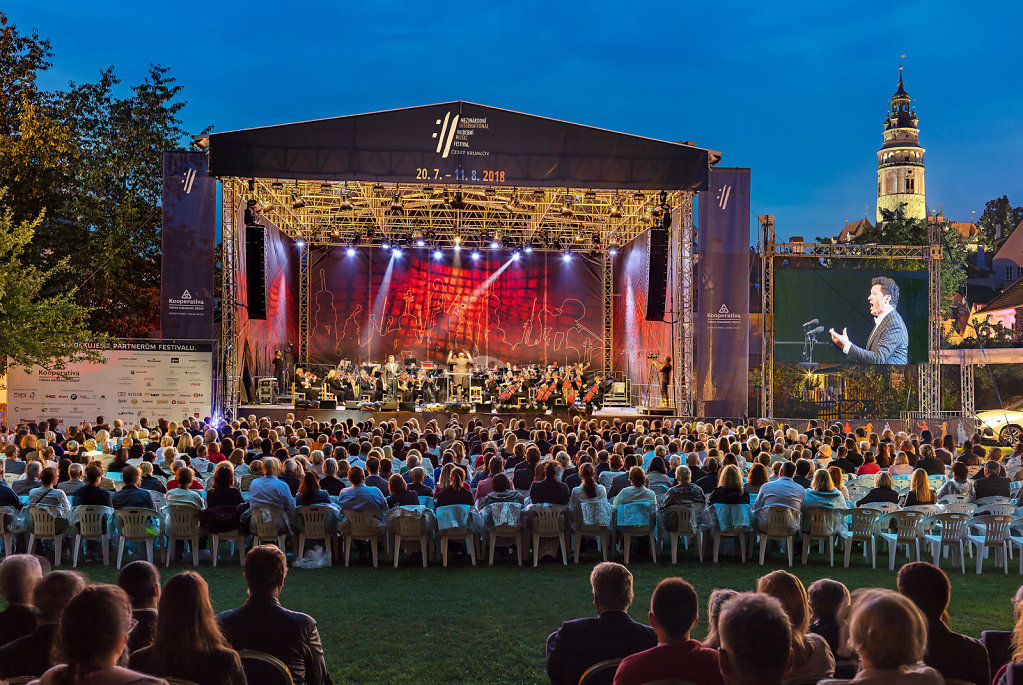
[186,282]
[722,329]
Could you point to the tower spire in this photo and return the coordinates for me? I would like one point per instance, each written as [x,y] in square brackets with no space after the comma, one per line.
[901,57]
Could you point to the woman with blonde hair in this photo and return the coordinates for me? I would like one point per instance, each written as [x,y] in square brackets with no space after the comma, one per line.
[920,491]
[901,466]
[729,489]
[889,634]
[184,444]
[837,479]
[811,655]
[823,494]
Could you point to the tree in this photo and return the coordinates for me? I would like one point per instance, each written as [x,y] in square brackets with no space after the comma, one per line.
[998,212]
[93,158]
[37,329]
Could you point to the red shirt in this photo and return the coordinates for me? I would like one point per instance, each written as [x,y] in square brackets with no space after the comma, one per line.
[216,457]
[868,469]
[173,483]
[688,660]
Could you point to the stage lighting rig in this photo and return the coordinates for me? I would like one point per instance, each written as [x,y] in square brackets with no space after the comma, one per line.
[396,204]
[457,202]
[296,201]
[350,251]
[616,210]
[566,209]
[346,201]
[528,249]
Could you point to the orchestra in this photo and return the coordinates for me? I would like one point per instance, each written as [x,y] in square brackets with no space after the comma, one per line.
[535,385]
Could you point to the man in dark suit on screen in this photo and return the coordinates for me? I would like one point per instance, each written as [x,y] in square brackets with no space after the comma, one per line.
[580,643]
[889,341]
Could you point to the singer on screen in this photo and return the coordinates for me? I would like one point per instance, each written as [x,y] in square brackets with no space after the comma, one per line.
[889,341]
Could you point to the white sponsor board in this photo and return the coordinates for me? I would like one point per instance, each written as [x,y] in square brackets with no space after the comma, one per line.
[138,378]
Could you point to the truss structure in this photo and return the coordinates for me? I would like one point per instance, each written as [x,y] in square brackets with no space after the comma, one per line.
[443,215]
[929,374]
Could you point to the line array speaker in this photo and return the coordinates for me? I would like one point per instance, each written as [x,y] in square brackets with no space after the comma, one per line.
[255,270]
[657,273]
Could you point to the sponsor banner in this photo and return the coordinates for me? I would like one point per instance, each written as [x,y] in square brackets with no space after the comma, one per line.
[722,323]
[186,279]
[137,378]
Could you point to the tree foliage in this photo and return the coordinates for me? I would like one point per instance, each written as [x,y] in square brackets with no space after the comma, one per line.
[38,329]
[998,212]
[90,155]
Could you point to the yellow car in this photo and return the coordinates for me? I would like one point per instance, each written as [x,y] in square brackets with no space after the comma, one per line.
[1006,423]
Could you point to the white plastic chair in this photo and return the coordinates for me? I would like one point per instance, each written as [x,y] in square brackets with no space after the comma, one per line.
[636,519]
[44,526]
[995,534]
[907,532]
[548,521]
[862,527]
[455,522]
[951,534]
[316,520]
[182,525]
[779,523]
[91,524]
[137,525]
[595,521]
[685,519]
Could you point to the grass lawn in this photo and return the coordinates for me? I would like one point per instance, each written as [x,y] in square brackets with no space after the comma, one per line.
[489,625]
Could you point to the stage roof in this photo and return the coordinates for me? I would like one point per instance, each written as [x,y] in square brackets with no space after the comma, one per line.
[459,144]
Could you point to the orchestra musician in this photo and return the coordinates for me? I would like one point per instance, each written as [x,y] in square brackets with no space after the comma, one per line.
[461,365]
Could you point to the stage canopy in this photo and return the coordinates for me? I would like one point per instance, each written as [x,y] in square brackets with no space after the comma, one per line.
[456,172]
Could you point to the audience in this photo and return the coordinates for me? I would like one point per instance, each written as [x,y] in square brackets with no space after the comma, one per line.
[755,641]
[264,625]
[828,599]
[811,655]
[131,495]
[19,575]
[140,580]
[582,642]
[186,627]
[32,654]
[673,613]
[714,603]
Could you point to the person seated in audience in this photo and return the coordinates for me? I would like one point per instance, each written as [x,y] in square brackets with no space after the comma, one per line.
[686,492]
[580,643]
[503,492]
[711,466]
[49,497]
[186,624]
[803,469]
[929,462]
[131,495]
[330,483]
[270,491]
[418,484]
[400,494]
[782,492]
[674,610]
[588,488]
[824,494]
[91,640]
[889,634]
[549,490]
[194,484]
[360,497]
[869,467]
[755,640]
[883,491]
[959,484]
[715,602]
[141,582]
[828,599]
[1005,648]
[756,479]
[8,498]
[309,492]
[991,485]
[184,495]
[223,492]
[485,480]
[454,492]
[901,467]
[811,655]
[920,491]
[263,625]
[951,654]
[656,473]
[729,489]
[30,481]
[32,654]
[19,575]
[148,481]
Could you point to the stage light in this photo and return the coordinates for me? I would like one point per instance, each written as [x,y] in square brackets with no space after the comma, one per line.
[277,185]
[300,244]
[296,201]
[457,240]
[616,210]
[457,247]
[377,188]
[475,255]
[346,202]
[495,244]
[396,252]
[350,251]
[566,256]
[420,243]
[566,209]
[396,206]
[325,188]
[613,251]
[437,254]
[252,185]
[515,256]
[457,203]
[595,240]
[386,245]
[528,249]
[638,197]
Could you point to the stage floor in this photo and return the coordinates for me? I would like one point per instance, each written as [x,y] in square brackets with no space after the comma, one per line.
[278,412]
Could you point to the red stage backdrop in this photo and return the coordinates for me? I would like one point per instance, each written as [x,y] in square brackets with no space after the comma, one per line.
[537,309]
[261,338]
[634,336]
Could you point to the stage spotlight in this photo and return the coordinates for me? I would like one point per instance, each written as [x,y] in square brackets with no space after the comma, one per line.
[396,252]
[458,203]
[515,256]
[350,251]
[325,188]
[386,245]
[296,201]
[475,255]
[300,244]
[616,210]
[370,232]
[252,185]
[377,189]
[566,209]
[457,247]
[457,240]
[420,243]
[277,185]
[596,240]
[437,254]
[396,206]
[528,249]
[638,197]
[566,256]
[613,251]
[495,244]
[346,202]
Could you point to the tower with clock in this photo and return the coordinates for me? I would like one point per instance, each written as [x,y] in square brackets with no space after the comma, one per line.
[900,161]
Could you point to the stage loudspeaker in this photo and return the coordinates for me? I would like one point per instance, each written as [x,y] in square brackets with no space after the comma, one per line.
[328,404]
[351,404]
[255,270]
[406,406]
[388,406]
[657,273]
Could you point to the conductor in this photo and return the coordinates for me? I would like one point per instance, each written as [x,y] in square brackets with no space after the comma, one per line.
[664,374]
[889,341]
[460,367]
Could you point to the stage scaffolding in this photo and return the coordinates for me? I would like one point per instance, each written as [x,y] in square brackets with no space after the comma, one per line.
[351,213]
[929,374]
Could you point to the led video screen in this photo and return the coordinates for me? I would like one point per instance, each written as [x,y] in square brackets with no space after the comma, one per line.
[850,316]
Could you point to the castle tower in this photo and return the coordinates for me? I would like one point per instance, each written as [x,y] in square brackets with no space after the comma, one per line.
[900,161]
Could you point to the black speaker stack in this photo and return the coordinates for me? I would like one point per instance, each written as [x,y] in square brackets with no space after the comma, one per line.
[255,270]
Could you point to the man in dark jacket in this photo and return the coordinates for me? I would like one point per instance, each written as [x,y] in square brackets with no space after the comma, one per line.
[131,495]
[32,654]
[264,625]
[953,655]
[580,643]
[992,484]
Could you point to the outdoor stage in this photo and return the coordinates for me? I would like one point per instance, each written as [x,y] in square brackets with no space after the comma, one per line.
[278,412]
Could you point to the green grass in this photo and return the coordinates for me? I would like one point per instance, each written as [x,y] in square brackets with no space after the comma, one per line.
[483,624]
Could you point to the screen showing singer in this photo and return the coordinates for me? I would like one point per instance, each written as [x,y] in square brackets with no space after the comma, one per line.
[889,341]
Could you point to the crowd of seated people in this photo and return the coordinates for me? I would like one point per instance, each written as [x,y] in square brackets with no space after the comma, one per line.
[781,632]
[65,631]
[222,468]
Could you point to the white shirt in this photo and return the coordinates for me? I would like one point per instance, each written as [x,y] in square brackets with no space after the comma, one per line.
[877,322]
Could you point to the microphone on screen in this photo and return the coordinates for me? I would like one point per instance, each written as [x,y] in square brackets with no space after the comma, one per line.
[811,322]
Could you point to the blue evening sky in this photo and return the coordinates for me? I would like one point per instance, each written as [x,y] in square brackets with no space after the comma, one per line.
[795,90]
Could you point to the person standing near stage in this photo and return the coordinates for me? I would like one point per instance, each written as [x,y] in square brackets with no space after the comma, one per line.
[664,372]
[461,365]
[390,373]
[277,367]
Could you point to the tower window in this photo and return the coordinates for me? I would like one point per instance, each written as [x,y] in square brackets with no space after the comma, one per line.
[909,185]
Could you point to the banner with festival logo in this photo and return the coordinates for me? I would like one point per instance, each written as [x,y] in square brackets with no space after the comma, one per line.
[138,378]
[722,322]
